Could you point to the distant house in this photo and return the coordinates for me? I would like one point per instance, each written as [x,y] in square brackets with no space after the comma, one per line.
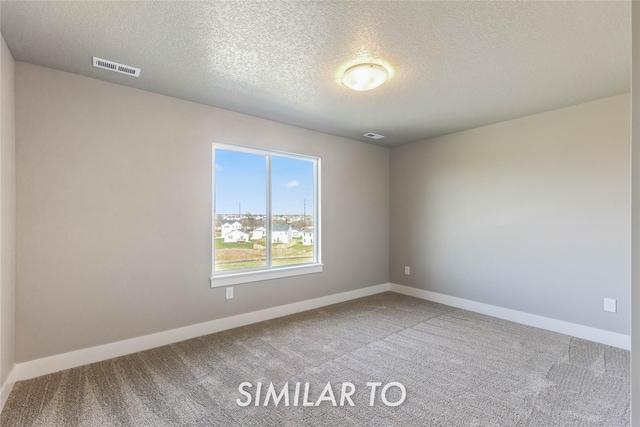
[307,238]
[295,233]
[281,233]
[258,233]
[236,236]
[229,226]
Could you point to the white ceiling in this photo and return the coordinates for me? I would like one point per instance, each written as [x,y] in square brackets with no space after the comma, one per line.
[454,65]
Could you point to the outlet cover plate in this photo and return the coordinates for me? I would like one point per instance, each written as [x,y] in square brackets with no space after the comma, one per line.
[610,305]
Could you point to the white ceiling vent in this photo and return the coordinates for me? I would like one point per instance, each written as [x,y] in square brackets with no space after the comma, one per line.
[114,66]
[373,135]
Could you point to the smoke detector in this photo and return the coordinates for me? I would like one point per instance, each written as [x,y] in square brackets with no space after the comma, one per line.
[373,135]
[114,66]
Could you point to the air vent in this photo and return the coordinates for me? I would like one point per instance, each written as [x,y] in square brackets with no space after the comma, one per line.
[373,135]
[114,66]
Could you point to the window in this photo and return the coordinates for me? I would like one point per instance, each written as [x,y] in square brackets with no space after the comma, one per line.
[266,221]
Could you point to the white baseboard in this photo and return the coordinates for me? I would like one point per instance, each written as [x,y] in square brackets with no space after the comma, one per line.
[6,388]
[59,362]
[586,332]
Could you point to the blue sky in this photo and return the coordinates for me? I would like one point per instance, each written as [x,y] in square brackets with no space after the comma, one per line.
[241,178]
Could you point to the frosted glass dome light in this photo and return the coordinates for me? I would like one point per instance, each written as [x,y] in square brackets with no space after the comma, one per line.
[363,77]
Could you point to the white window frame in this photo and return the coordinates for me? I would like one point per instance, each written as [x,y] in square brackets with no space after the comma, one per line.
[268,272]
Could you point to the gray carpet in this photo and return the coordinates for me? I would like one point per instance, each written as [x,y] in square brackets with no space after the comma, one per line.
[459,369]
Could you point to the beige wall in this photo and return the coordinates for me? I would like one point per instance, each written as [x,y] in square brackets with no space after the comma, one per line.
[114,212]
[531,214]
[7,212]
[635,183]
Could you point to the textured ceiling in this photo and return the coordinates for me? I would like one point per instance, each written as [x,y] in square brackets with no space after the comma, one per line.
[454,65]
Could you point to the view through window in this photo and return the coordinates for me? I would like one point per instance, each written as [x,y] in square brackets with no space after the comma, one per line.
[264,210]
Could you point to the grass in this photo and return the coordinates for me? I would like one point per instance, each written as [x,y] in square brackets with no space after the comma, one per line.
[220,244]
[233,256]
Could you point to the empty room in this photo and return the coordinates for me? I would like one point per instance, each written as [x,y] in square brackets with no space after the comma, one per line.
[319,213]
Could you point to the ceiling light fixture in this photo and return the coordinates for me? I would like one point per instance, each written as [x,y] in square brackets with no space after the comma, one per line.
[363,77]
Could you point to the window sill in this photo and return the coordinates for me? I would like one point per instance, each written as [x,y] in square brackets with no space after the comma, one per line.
[256,276]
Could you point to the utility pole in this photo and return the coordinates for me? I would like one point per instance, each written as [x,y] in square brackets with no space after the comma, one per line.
[304,215]
[239,210]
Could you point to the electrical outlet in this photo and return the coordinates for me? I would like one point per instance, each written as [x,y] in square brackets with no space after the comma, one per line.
[407,270]
[610,305]
[229,292]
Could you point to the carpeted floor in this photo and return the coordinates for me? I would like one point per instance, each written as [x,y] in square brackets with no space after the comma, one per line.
[458,368]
